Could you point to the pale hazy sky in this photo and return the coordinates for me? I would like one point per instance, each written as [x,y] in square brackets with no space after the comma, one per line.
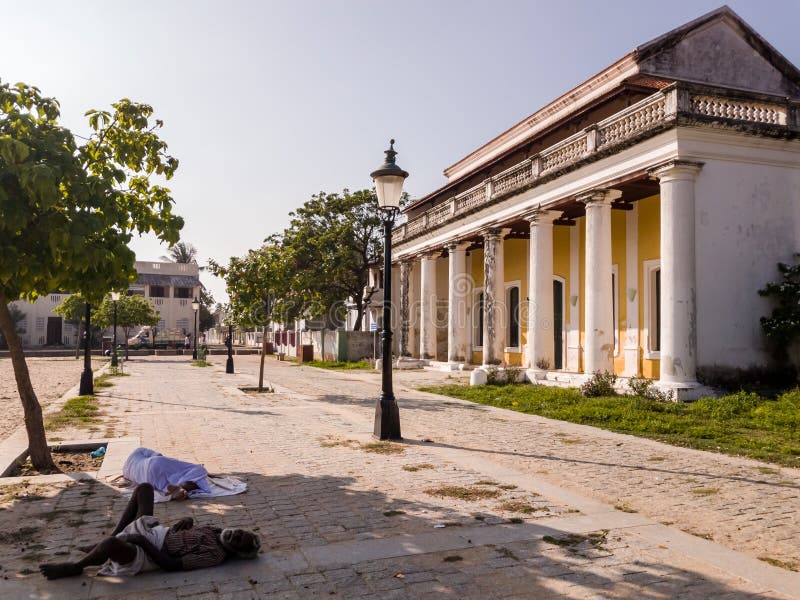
[266,103]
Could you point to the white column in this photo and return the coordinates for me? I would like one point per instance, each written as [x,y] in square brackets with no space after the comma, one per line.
[540,289]
[457,305]
[413,308]
[599,336]
[427,317]
[405,276]
[494,304]
[678,287]
[630,347]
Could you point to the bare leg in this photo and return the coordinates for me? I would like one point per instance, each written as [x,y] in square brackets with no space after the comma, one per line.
[140,504]
[110,548]
[181,492]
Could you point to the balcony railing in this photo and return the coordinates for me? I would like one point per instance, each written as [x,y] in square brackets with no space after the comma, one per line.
[643,118]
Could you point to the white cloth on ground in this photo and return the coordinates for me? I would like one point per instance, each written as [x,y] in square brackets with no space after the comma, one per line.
[148,527]
[148,466]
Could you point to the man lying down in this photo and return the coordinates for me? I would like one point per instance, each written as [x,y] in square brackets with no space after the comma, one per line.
[168,476]
[139,543]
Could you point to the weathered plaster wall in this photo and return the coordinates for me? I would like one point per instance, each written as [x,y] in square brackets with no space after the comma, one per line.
[649,249]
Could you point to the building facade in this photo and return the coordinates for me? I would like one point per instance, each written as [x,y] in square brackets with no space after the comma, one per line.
[169,287]
[624,227]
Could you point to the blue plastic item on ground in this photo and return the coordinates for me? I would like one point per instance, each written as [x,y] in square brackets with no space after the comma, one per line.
[99,452]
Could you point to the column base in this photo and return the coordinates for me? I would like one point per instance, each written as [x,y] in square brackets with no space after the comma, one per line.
[685,391]
[408,362]
[535,375]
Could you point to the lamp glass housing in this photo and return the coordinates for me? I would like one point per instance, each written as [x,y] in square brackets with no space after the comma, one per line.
[195,304]
[389,189]
[115,296]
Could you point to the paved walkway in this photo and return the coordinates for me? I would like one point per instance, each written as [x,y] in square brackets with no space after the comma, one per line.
[339,519]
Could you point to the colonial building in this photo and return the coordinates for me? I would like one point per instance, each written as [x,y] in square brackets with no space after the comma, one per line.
[170,288]
[625,227]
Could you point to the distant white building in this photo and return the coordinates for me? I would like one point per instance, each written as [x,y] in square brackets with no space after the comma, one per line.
[170,288]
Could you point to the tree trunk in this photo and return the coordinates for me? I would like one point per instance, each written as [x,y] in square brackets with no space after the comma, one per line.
[359,317]
[263,355]
[37,442]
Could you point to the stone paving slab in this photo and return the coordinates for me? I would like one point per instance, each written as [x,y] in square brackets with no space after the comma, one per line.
[338,520]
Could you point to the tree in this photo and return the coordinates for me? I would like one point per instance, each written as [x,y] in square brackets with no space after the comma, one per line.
[73,309]
[17,316]
[259,287]
[335,238]
[131,312]
[206,317]
[182,252]
[782,327]
[68,212]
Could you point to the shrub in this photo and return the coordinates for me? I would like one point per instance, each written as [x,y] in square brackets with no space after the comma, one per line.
[642,386]
[543,364]
[766,380]
[600,384]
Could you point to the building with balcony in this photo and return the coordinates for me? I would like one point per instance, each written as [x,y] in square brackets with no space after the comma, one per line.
[170,288]
[624,227]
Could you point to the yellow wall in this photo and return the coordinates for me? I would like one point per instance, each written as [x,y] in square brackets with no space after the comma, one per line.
[581,225]
[618,256]
[649,249]
[561,268]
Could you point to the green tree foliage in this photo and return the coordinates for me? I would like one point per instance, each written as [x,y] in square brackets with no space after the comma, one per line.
[69,210]
[182,252]
[782,327]
[132,311]
[73,309]
[334,238]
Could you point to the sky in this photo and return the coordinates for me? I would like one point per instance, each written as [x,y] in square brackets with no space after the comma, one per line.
[266,103]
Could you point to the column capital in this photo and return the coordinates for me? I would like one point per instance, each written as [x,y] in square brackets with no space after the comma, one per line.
[542,217]
[685,170]
[495,232]
[456,246]
[426,254]
[599,196]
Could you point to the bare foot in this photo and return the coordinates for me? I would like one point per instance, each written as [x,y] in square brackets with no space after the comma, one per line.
[59,570]
[176,492]
[87,548]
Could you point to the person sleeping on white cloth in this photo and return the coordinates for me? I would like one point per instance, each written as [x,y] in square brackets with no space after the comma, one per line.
[169,476]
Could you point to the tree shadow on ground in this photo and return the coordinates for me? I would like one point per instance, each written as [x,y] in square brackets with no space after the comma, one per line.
[330,536]
[255,412]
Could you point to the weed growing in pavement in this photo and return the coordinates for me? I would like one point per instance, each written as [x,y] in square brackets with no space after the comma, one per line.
[417,467]
[516,520]
[486,482]
[393,513]
[462,493]
[767,471]
[453,558]
[201,363]
[23,534]
[520,506]
[334,442]
[383,448]
[789,566]
[705,491]
[622,507]
[502,551]
[656,459]
[596,539]
[338,365]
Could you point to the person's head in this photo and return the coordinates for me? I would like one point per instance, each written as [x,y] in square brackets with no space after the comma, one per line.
[240,542]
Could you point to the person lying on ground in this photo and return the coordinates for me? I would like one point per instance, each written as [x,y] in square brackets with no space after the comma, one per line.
[169,476]
[139,543]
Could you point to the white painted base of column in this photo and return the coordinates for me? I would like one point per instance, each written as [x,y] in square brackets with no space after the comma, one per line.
[478,377]
[535,375]
[406,362]
[685,391]
[573,357]
[631,355]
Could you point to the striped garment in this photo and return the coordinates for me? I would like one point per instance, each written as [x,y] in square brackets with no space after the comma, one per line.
[198,547]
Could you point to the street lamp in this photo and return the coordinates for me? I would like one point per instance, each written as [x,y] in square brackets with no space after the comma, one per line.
[388,181]
[87,377]
[195,308]
[114,297]
[229,362]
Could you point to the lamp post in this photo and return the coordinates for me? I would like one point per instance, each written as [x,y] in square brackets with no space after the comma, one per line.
[87,377]
[388,179]
[229,362]
[114,362]
[195,308]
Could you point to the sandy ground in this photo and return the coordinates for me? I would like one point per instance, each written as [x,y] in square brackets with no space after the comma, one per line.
[51,378]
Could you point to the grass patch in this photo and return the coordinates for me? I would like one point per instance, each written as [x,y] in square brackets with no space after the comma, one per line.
[76,412]
[382,448]
[740,424]
[462,493]
[102,381]
[418,467]
[486,482]
[339,365]
[393,513]
[18,536]
[656,459]
[789,566]
[201,363]
[596,539]
[452,558]
[705,491]
[334,442]
[767,471]
[520,506]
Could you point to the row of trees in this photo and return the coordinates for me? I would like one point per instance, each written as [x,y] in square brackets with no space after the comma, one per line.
[68,211]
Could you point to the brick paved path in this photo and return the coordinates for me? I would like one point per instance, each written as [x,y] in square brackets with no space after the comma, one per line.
[338,520]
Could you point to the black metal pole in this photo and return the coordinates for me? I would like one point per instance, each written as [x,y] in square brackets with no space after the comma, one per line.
[387,414]
[229,363]
[114,361]
[87,377]
[194,352]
